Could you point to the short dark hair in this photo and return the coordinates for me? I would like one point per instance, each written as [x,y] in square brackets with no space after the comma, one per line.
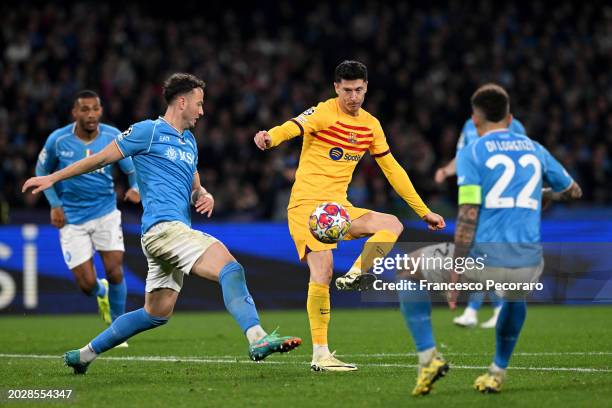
[181,83]
[493,101]
[350,70]
[85,93]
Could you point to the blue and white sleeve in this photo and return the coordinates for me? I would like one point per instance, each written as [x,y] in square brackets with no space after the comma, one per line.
[46,164]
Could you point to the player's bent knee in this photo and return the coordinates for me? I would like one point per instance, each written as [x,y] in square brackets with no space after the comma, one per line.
[160,312]
[210,264]
[395,225]
[115,275]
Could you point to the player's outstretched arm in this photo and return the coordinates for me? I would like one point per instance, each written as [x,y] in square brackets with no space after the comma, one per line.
[108,155]
[201,199]
[279,134]
[446,171]
[399,180]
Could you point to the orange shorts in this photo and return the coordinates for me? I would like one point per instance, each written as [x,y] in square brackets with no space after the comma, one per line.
[305,242]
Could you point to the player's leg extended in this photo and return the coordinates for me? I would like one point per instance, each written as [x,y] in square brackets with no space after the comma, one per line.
[509,324]
[86,278]
[117,290]
[383,230]
[107,239]
[496,303]
[415,306]
[156,312]
[318,305]
[469,318]
[77,248]
[217,264]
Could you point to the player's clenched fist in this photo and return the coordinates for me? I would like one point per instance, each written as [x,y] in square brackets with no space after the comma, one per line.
[263,140]
[434,221]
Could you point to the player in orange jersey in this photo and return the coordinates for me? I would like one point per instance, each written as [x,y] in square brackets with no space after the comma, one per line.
[336,135]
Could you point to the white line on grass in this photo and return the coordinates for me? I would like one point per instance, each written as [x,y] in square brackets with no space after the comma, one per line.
[525,354]
[176,359]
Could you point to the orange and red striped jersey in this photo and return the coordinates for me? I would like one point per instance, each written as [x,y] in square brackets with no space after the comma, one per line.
[333,143]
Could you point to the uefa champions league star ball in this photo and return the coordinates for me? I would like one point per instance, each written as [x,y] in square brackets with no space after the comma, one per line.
[329,222]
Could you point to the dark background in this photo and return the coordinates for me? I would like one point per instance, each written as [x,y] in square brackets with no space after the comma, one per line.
[265,62]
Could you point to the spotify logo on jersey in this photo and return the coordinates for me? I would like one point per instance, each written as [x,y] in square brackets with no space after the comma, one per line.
[336,153]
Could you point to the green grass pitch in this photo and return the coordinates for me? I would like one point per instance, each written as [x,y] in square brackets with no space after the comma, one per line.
[563,358]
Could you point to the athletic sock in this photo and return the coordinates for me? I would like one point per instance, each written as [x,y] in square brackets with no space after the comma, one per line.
[255,333]
[319,312]
[87,354]
[475,301]
[124,327]
[236,296]
[117,293]
[98,290]
[319,351]
[496,301]
[378,245]
[415,306]
[509,324]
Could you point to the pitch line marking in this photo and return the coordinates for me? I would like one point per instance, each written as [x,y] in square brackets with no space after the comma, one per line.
[176,359]
[525,354]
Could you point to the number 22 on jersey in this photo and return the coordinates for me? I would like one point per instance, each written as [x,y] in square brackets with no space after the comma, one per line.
[494,197]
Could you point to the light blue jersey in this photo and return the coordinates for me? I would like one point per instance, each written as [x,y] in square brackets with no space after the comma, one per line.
[87,196]
[165,162]
[469,134]
[509,169]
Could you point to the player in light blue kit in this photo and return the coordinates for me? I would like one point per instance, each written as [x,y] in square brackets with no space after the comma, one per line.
[469,317]
[500,180]
[84,208]
[165,156]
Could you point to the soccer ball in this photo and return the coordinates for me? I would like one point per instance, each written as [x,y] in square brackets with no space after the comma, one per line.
[329,222]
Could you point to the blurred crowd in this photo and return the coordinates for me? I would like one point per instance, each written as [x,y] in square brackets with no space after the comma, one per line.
[266,62]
